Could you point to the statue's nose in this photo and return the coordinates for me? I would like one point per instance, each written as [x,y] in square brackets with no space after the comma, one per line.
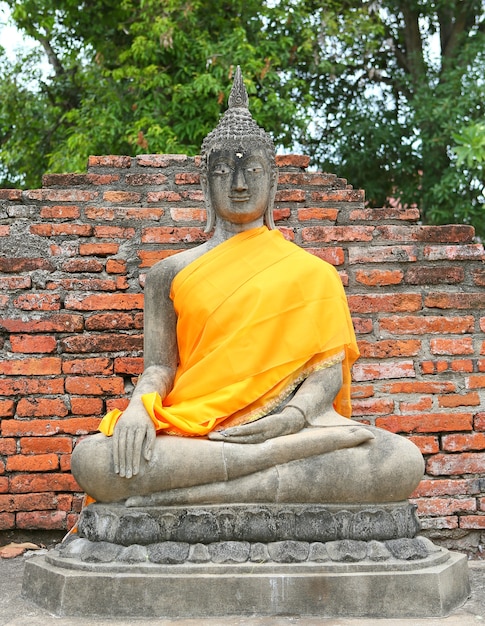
[239,180]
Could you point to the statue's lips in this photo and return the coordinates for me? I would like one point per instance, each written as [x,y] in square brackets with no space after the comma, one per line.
[239,198]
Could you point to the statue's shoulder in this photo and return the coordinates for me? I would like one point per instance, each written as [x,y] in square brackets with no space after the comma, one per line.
[164,271]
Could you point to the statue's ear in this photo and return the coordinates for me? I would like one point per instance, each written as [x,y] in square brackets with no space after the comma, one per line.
[210,221]
[269,213]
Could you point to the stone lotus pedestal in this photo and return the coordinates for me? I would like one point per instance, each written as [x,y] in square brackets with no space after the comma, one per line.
[214,561]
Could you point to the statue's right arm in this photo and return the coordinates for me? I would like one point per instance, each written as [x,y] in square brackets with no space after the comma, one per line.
[134,434]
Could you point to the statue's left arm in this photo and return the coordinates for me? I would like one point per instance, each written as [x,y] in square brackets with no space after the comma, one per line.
[312,405]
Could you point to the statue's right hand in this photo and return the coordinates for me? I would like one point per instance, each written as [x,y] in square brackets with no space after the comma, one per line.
[133,437]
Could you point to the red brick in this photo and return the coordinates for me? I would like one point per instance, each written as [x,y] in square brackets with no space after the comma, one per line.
[446,487]
[57,322]
[123,213]
[38,302]
[479,423]
[98,249]
[383,254]
[426,423]
[109,161]
[46,427]
[434,275]
[460,443]
[419,386]
[426,444]
[379,278]
[161,160]
[378,371]
[455,400]
[419,404]
[290,195]
[94,386]
[7,520]
[424,325]
[86,406]
[32,463]
[389,348]
[328,234]
[121,196]
[462,365]
[46,366]
[102,179]
[442,234]
[65,249]
[372,406]
[338,195]
[187,178]
[455,300]
[472,521]
[96,365]
[10,194]
[116,321]
[129,365]
[102,343]
[463,345]
[95,302]
[468,252]
[114,232]
[386,303]
[64,180]
[82,265]
[45,520]
[144,179]
[60,195]
[184,214]
[456,464]
[28,386]
[334,255]
[84,284]
[479,277]
[15,282]
[4,484]
[7,446]
[318,213]
[29,502]
[24,264]
[281,214]
[41,407]
[292,160]
[116,266]
[55,230]
[65,463]
[163,196]
[386,213]
[475,382]
[445,506]
[116,403]
[33,344]
[288,233]
[150,257]
[362,325]
[168,234]
[46,445]
[60,212]
[7,408]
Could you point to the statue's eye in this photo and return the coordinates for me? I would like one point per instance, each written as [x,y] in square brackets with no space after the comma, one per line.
[254,167]
[222,168]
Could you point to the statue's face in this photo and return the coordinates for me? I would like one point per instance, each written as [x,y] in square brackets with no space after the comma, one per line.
[239,181]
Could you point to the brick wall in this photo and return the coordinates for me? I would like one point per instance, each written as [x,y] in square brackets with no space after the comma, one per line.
[73,258]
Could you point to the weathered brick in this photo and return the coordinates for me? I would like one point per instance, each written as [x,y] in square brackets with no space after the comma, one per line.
[82,265]
[7,408]
[338,195]
[427,324]
[386,303]
[186,214]
[389,348]
[290,195]
[456,464]
[455,300]
[423,403]
[31,367]
[55,230]
[121,197]
[362,391]
[455,400]
[419,386]
[150,257]
[10,194]
[479,422]
[86,406]
[9,265]
[434,275]
[187,178]
[116,266]
[462,252]
[7,520]
[161,160]
[318,213]
[56,322]
[94,385]
[372,406]
[459,443]
[46,520]
[33,344]
[462,345]
[15,282]
[38,302]
[472,521]
[128,365]
[327,234]
[49,427]
[114,232]
[443,234]
[281,214]
[426,444]
[120,321]
[164,196]
[426,423]
[379,278]
[475,382]
[383,254]
[445,506]
[27,386]
[102,343]
[334,255]
[41,407]
[145,179]
[32,463]
[292,160]
[109,161]
[362,325]
[61,195]
[378,371]
[102,179]
[100,302]
[85,284]
[109,214]
[45,445]
[98,249]
[168,234]
[8,446]
[446,487]
[479,277]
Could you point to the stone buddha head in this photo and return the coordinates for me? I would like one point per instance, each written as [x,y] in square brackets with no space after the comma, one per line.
[238,169]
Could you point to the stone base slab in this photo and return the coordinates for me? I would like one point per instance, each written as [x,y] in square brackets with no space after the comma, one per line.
[428,588]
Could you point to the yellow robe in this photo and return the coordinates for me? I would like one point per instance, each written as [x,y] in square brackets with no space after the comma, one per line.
[255,316]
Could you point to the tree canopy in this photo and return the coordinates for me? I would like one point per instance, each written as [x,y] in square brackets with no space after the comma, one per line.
[387,93]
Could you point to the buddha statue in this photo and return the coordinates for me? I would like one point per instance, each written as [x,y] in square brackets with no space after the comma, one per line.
[248,349]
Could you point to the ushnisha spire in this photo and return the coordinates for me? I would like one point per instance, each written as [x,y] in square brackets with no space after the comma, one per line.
[236,125]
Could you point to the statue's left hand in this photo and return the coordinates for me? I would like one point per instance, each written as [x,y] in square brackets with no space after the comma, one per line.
[287,422]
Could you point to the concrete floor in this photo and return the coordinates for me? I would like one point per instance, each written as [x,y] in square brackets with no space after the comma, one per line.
[16,611]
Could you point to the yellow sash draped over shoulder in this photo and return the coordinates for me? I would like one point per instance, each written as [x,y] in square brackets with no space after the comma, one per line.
[255,316]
